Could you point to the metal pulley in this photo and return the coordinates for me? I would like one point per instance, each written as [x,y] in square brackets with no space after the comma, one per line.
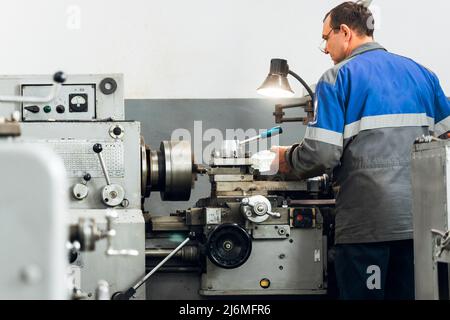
[228,246]
[169,170]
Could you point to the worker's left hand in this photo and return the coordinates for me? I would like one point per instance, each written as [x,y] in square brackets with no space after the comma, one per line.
[279,164]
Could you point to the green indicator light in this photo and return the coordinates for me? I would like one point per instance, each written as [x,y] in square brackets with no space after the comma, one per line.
[47,109]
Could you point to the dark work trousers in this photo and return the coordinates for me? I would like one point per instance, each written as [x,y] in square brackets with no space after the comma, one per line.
[381,270]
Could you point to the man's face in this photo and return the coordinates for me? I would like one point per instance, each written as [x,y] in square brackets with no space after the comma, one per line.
[337,43]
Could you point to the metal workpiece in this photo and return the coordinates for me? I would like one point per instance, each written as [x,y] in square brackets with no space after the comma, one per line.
[229,149]
[187,253]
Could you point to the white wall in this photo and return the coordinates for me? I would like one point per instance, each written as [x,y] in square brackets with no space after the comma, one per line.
[201,48]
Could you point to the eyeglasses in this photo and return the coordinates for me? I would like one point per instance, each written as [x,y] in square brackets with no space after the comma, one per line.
[323,44]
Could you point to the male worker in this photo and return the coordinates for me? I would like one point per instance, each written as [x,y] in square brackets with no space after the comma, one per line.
[370,107]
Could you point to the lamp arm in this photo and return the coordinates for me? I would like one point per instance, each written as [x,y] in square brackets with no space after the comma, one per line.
[296,76]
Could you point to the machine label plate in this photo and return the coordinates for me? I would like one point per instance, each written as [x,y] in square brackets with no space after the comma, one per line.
[79,158]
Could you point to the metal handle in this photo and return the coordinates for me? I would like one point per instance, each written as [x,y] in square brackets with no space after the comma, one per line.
[98,150]
[246,202]
[274,214]
[126,295]
[58,78]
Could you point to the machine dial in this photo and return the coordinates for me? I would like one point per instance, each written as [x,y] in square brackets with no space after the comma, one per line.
[78,102]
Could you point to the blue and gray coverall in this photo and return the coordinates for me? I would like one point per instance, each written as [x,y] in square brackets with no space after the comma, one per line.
[369,109]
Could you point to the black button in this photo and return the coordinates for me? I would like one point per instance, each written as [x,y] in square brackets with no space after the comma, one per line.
[117,131]
[60,109]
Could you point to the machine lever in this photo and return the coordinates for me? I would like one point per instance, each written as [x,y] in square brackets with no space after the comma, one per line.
[98,150]
[58,79]
[131,291]
[274,214]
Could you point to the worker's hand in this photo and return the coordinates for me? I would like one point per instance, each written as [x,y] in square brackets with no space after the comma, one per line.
[279,164]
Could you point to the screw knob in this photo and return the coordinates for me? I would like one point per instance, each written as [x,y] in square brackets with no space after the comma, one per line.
[97,148]
[59,77]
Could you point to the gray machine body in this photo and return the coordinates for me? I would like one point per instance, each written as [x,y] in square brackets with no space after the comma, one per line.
[294,266]
[74,141]
[71,135]
[34,223]
[120,272]
[431,200]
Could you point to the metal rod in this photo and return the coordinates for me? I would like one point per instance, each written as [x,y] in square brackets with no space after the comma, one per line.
[293,119]
[158,253]
[296,76]
[53,94]
[295,105]
[178,269]
[181,245]
[314,202]
[105,172]
[250,139]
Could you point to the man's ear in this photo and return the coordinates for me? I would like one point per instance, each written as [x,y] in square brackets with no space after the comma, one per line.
[346,31]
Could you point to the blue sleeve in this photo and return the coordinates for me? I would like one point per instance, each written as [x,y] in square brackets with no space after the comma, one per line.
[442,109]
[321,149]
[329,106]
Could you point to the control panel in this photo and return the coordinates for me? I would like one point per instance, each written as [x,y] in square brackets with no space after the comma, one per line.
[90,97]
[74,102]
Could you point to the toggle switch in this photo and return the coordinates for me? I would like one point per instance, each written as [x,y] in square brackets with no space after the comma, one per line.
[33,109]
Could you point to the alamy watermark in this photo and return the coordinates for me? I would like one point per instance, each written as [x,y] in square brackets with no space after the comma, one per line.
[374,280]
[205,141]
[73,21]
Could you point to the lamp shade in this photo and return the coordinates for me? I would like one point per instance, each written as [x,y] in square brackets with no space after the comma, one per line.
[276,83]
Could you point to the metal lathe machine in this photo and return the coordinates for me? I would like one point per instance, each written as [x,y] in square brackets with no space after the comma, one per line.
[76,176]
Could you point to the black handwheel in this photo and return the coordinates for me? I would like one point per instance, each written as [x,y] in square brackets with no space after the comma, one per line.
[229,246]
